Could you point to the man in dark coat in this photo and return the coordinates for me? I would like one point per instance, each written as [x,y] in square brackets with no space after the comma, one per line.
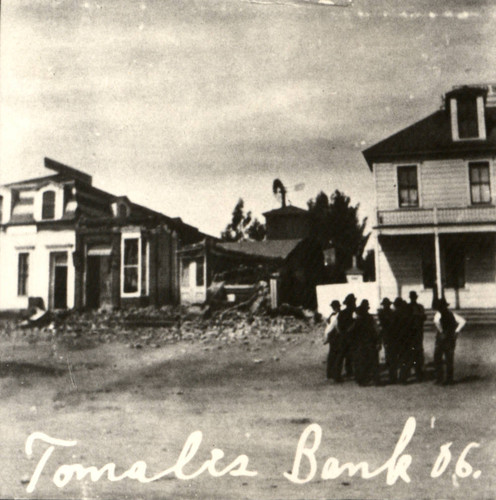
[386,320]
[366,342]
[417,313]
[343,340]
[402,326]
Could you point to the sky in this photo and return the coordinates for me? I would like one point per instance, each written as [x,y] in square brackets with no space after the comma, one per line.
[187,105]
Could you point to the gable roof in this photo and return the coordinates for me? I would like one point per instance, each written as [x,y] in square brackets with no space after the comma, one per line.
[431,137]
[287,210]
[244,251]
[276,249]
[70,172]
[36,182]
[94,205]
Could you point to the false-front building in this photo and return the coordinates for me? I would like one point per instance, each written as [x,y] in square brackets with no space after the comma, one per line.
[435,184]
[75,246]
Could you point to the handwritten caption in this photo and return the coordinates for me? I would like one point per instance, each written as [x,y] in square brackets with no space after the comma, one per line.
[305,464]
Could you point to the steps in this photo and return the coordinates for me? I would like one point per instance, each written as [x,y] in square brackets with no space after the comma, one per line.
[478,317]
[472,316]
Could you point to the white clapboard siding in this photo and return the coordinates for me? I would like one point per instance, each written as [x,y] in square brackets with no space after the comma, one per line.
[445,184]
[442,183]
[401,271]
[386,186]
[400,267]
[480,260]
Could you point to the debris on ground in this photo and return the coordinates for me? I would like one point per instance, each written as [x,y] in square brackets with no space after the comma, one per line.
[244,323]
[39,317]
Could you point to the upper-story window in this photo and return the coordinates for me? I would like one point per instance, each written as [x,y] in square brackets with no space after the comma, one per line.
[48,205]
[408,186]
[480,186]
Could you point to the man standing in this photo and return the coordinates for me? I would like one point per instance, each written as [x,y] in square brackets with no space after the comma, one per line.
[417,314]
[386,320]
[402,328]
[448,325]
[366,343]
[330,335]
[342,345]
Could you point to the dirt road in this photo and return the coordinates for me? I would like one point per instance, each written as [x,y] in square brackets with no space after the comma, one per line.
[123,405]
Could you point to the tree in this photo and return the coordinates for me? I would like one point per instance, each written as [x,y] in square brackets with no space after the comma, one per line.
[336,221]
[256,230]
[243,226]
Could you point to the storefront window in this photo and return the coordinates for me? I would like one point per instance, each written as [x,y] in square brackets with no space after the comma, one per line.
[131,265]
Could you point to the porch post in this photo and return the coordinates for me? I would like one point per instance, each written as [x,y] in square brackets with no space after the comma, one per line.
[377,267]
[437,255]
[78,261]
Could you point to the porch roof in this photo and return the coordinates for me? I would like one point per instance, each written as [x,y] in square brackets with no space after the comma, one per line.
[409,230]
[262,250]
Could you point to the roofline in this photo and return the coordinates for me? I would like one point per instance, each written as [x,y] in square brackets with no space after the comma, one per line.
[475,146]
[277,211]
[367,152]
[27,181]
[432,154]
[70,174]
[44,224]
[214,248]
[430,225]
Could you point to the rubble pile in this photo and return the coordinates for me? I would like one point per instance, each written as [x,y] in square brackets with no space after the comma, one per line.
[155,327]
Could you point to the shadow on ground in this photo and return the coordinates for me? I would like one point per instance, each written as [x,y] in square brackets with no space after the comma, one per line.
[15,369]
[205,373]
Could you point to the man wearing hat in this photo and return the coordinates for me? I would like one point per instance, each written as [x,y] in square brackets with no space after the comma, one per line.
[448,325]
[343,344]
[402,342]
[366,343]
[386,319]
[417,313]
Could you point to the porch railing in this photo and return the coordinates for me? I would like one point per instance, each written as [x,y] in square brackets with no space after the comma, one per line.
[426,216]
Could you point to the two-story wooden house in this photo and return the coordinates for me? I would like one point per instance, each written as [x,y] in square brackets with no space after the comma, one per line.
[435,184]
[75,246]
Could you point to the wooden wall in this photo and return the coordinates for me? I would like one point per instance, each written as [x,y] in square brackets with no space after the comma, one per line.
[444,183]
[400,270]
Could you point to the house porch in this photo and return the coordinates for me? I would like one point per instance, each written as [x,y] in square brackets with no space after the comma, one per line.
[464,262]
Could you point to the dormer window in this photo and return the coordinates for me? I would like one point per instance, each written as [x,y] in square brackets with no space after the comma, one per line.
[48,205]
[121,207]
[468,126]
[121,210]
[466,107]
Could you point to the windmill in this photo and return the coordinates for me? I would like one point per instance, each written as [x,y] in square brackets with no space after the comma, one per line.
[279,190]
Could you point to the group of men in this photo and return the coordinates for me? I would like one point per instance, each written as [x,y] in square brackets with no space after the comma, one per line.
[355,342]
